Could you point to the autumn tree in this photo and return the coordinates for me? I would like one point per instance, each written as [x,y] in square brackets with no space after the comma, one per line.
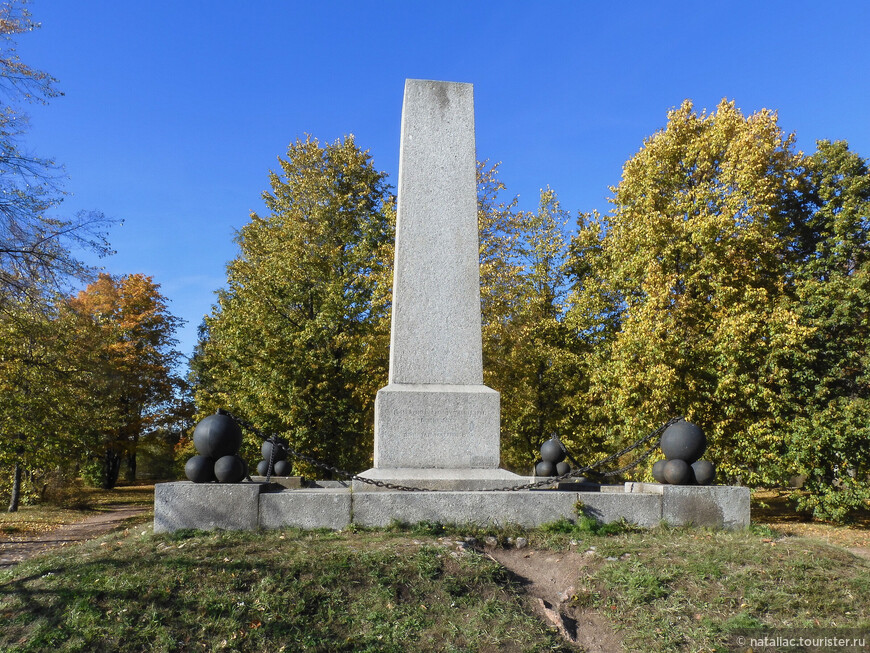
[139,357]
[50,363]
[298,340]
[684,288]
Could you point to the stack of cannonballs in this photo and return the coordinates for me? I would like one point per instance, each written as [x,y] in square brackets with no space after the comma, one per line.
[217,439]
[552,459]
[683,444]
[280,464]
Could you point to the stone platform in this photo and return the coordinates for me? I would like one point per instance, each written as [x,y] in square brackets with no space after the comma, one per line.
[249,506]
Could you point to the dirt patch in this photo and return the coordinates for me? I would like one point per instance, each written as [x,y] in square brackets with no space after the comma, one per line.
[551,579]
[860,551]
[17,549]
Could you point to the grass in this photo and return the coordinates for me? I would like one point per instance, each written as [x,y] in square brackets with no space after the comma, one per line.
[246,591]
[688,589]
[411,589]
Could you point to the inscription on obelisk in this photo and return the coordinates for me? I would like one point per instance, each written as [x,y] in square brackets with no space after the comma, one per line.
[436,414]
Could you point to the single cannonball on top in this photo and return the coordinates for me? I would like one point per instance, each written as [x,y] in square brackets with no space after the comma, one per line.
[280,446]
[552,451]
[217,436]
[683,440]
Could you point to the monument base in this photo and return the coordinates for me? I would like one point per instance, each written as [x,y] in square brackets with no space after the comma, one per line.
[430,425]
[248,506]
[441,479]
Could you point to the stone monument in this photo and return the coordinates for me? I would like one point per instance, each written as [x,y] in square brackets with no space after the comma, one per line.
[436,424]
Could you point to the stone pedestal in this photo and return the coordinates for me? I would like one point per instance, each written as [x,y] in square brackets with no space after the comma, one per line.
[437,427]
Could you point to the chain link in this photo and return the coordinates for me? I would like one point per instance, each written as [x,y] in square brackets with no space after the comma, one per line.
[653,437]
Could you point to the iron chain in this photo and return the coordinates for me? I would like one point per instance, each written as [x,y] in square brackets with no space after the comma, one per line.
[652,438]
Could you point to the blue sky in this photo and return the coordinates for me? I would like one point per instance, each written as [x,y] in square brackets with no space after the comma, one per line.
[175,111]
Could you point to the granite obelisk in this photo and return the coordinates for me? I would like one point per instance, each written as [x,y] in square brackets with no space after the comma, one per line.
[436,423]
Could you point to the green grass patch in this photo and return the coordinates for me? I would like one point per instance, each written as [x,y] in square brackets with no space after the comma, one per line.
[412,588]
[373,591]
[687,589]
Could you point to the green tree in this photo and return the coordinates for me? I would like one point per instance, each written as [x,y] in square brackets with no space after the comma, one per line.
[684,288]
[50,368]
[829,430]
[298,342]
[530,356]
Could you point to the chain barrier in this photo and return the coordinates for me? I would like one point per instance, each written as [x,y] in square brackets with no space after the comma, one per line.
[652,438]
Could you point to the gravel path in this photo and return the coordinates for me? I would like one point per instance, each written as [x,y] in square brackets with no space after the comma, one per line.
[13,550]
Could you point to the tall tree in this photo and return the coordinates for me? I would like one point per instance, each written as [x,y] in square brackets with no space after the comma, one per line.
[298,341]
[685,286]
[829,430]
[529,354]
[140,358]
[35,246]
[50,367]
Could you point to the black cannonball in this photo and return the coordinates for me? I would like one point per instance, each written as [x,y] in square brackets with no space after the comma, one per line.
[283,468]
[545,468]
[683,441]
[263,468]
[199,469]
[658,471]
[280,450]
[217,436]
[229,469]
[552,451]
[705,472]
[677,472]
[562,468]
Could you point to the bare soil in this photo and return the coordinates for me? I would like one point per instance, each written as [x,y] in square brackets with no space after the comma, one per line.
[550,580]
[15,549]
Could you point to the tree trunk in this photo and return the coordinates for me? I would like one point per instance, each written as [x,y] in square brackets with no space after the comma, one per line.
[16,489]
[111,468]
[131,466]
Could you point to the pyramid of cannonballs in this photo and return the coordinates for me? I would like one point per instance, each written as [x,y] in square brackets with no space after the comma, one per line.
[217,439]
[274,450]
[683,444]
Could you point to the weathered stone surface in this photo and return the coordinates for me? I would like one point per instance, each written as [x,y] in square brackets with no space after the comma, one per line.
[206,506]
[482,508]
[316,508]
[437,426]
[289,482]
[435,332]
[442,479]
[436,413]
[716,506]
[643,510]
[242,507]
